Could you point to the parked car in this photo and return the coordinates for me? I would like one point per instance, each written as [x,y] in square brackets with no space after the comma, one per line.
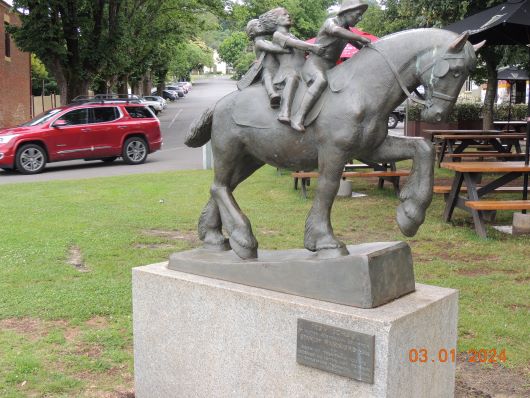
[161,100]
[103,130]
[169,95]
[398,115]
[188,85]
[179,90]
[155,105]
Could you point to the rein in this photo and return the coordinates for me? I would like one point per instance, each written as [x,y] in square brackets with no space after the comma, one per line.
[424,102]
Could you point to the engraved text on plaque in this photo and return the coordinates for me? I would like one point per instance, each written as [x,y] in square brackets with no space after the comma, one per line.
[341,351]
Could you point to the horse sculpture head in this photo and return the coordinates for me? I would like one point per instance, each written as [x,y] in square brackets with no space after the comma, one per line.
[443,75]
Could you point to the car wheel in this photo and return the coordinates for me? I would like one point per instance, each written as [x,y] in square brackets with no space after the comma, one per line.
[392,121]
[134,150]
[109,159]
[30,159]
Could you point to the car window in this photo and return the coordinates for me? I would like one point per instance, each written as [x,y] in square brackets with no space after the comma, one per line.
[79,116]
[42,118]
[139,112]
[105,114]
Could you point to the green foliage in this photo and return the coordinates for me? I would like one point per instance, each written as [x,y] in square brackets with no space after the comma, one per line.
[40,78]
[242,65]
[233,47]
[190,55]
[518,112]
[307,15]
[108,40]
[461,111]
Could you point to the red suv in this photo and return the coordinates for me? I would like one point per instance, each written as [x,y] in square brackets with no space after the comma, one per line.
[103,130]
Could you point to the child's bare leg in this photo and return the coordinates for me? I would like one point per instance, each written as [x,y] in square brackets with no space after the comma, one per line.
[288,94]
[274,97]
[310,98]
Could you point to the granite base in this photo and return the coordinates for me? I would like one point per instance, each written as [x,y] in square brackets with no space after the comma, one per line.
[196,336]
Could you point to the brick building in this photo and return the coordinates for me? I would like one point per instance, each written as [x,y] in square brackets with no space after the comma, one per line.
[15,74]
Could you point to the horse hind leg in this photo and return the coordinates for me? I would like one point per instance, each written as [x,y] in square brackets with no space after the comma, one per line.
[416,194]
[227,176]
[210,228]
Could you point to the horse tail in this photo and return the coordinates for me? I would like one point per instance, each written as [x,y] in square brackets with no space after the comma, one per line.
[200,130]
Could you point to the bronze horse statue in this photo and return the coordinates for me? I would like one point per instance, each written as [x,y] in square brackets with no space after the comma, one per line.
[349,123]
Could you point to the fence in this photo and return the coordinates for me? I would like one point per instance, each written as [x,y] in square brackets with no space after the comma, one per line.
[43,103]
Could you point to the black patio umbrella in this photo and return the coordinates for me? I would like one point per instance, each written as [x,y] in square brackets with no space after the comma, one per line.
[505,24]
[511,74]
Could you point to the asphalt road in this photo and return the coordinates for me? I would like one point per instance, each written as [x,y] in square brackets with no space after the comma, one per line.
[174,155]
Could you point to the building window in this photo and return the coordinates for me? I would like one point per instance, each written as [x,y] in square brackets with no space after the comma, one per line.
[7,42]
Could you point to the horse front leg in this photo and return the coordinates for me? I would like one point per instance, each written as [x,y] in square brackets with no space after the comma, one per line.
[416,194]
[318,230]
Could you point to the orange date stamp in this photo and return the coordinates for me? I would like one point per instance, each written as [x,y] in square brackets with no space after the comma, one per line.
[445,355]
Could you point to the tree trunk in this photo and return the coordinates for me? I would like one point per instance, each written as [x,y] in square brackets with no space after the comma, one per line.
[146,84]
[57,72]
[135,87]
[491,90]
[121,85]
[76,86]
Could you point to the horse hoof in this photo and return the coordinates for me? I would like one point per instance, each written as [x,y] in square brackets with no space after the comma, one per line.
[243,252]
[217,247]
[325,254]
[407,224]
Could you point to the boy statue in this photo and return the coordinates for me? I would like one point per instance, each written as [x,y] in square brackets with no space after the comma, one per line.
[333,37]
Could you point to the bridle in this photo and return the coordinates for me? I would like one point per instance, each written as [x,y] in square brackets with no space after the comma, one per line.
[439,67]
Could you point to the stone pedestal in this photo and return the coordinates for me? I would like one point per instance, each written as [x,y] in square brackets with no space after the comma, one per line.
[196,336]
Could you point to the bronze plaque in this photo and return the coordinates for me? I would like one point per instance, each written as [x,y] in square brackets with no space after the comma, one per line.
[335,350]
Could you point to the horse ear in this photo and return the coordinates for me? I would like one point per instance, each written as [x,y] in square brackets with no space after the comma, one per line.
[457,45]
[479,45]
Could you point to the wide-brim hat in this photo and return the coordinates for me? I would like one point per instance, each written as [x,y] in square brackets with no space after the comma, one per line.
[348,5]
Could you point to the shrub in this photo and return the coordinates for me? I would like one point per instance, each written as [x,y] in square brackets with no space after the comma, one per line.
[461,111]
[500,112]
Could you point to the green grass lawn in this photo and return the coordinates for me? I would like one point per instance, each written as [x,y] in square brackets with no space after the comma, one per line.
[67,249]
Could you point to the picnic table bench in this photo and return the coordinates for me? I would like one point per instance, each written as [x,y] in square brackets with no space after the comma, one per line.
[470,173]
[385,172]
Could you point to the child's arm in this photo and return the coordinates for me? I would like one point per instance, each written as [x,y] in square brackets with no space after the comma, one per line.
[270,47]
[288,41]
[349,35]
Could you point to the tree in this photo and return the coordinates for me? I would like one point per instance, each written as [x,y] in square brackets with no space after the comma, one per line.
[83,40]
[41,82]
[307,15]
[190,55]
[233,47]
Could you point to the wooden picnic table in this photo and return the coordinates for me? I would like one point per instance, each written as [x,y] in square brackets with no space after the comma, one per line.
[455,142]
[516,125]
[471,200]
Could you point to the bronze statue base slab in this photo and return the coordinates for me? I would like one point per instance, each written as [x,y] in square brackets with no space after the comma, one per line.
[372,274]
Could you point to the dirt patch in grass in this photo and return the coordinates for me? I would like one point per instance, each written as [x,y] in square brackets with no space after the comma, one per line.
[172,234]
[476,380]
[75,259]
[190,238]
[153,246]
[474,271]
[32,328]
[523,279]
[98,322]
